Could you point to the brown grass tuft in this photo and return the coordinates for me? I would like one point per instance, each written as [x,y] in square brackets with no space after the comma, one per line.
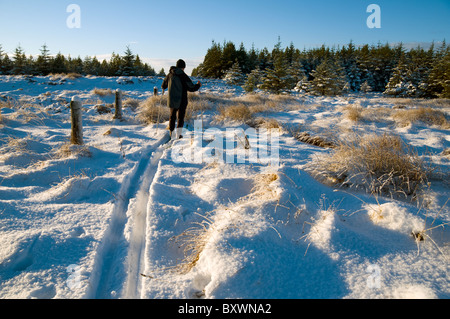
[102,92]
[265,123]
[237,112]
[154,110]
[425,115]
[131,103]
[67,150]
[381,164]
[354,113]
[192,242]
[262,185]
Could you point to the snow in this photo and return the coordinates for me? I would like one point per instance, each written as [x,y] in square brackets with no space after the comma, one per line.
[126,216]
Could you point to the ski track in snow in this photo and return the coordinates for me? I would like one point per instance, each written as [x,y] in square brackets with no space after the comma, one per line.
[109,260]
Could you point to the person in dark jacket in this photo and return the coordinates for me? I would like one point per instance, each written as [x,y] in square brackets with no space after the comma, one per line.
[178,84]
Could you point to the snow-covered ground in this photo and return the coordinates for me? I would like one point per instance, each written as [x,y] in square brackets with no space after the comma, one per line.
[126,216]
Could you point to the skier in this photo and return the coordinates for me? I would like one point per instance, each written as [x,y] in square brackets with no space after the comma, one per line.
[179,84]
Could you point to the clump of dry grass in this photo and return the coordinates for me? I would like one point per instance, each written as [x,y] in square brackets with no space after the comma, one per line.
[198,103]
[131,103]
[154,110]
[102,92]
[104,108]
[64,76]
[354,113]
[192,242]
[67,150]
[381,164]
[14,145]
[265,123]
[237,112]
[262,185]
[425,115]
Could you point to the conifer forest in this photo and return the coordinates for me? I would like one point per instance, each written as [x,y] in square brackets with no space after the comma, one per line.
[390,69]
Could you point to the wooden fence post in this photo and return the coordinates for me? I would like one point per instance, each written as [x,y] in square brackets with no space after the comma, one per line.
[118,105]
[77,123]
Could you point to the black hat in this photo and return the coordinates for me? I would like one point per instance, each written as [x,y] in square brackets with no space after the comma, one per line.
[181,64]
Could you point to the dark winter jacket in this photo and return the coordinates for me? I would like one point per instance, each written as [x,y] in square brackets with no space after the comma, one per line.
[179,84]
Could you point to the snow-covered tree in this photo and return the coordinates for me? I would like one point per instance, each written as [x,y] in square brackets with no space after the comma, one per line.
[234,75]
[277,79]
[353,77]
[410,77]
[399,84]
[366,87]
[303,86]
[254,79]
[438,82]
[295,73]
[328,79]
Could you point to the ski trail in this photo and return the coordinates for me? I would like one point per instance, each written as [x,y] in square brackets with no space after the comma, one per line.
[138,234]
[108,264]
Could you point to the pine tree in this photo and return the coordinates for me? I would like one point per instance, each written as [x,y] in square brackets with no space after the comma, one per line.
[162,73]
[20,61]
[43,62]
[328,79]
[409,78]
[398,83]
[277,79]
[59,64]
[365,67]
[104,69]
[127,67]
[365,87]
[211,66]
[30,66]
[138,66]
[229,55]
[439,77]
[76,65]
[295,73]
[7,64]
[234,75]
[1,60]
[303,86]
[254,80]
[347,56]
[87,65]
[114,64]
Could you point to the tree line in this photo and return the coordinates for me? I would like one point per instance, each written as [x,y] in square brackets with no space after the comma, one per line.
[393,70]
[44,64]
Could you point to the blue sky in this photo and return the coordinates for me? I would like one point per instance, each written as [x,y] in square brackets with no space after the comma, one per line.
[163,31]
